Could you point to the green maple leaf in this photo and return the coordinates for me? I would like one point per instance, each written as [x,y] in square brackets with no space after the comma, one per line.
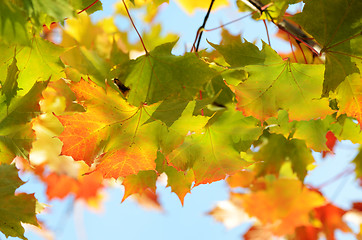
[84,58]
[274,83]
[290,86]
[179,181]
[169,111]
[281,124]
[13,24]
[214,154]
[16,134]
[333,23]
[278,150]
[173,136]
[14,209]
[159,75]
[313,132]
[48,11]
[38,62]
[346,129]
[241,54]
[10,86]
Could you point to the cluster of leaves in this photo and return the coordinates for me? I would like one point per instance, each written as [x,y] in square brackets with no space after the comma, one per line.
[77,109]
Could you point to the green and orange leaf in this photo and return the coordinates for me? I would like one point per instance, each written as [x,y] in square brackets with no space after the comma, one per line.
[180,182]
[139,183]
[284,205]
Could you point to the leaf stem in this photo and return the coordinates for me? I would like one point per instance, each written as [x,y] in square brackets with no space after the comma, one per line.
[85,9]
[201,29]
[267,32]
[134,26]
[291,47]
[301,49]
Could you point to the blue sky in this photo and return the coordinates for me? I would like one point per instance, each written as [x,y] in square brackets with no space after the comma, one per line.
[128,220]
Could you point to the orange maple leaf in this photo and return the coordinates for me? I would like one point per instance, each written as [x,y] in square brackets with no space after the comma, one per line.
[84,132]
[108,131]
[143,181]
[331,218]
[306,232]
[127,161]
[285,204]
[60,186]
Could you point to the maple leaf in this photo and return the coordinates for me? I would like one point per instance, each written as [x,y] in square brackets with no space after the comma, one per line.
[277,150]
[61,186]
[263,93]
[83,132]
[241,179]
[285,204]
[90,135]
[338,23]
[16,134]
[38,62]
[307,232]
[241,54]
[331,218]
[159,75]
[215,154]
[172,137]
[169,111]
[275,84]
[346,128]
[14,209]
[127,161]
[349,96]
[314,133]
[85,57]
[139,183]
[14,27]
[10,87]
[180,182]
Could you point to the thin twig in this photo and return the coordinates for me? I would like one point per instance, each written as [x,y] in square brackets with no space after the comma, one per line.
[225,24]
[200,30]
[267,32]
[134,26]
[346,171]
